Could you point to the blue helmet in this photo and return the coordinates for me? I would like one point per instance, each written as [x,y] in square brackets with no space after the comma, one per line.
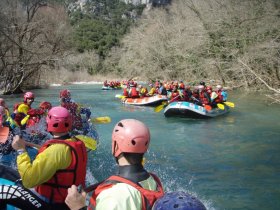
[178,201]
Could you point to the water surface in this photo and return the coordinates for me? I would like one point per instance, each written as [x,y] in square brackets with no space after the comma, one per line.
[230,162]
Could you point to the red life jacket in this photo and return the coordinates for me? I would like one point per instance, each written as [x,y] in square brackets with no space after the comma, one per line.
[219,99]
[125,92]
[203,98]
[148,197]
[55,189]
[175,96]
[134,93]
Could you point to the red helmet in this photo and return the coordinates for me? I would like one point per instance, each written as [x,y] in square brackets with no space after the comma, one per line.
[2,102]
[131,136]
[45,105]
[65,94]
[28,95]
[59,120]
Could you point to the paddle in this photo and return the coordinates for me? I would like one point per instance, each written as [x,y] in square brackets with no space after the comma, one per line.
[101,120]
[164,104]
[35,146]
[161,106]
[230,104]
[120,96]
[221,106]
[90,142]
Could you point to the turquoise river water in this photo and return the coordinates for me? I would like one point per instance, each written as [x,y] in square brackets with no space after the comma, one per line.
[230,162]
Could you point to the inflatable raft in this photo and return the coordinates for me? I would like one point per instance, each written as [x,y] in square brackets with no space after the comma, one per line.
[110,88]
[145,101]
[190,110]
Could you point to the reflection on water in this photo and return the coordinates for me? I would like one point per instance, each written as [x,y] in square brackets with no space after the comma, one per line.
[230,162]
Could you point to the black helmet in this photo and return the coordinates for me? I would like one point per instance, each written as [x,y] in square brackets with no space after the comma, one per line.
[202,83]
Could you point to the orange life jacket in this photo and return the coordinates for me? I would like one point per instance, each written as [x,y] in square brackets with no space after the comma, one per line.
[55,189]
[148,197]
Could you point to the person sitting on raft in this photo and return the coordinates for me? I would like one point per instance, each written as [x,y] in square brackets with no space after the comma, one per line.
[20,110]
[132,187]
[60,163]
[75,110]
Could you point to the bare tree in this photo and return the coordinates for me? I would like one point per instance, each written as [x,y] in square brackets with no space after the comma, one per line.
[32,36]
[196,40]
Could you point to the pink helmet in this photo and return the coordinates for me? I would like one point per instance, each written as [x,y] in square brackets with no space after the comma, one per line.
[131,136]
[65,94]
[59,120]
[28,95]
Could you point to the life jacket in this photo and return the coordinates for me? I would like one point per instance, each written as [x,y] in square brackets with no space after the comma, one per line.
[152,91]
[175,96]
[35,116]
[18,116]
[203,98]
[148,197]
[55,189]
[143,91]
[134,93]
[219,99]
[125,92]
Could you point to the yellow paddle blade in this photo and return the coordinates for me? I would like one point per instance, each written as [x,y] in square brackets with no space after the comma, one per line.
[120,96]
[159,108]
[101,120]
[143,161]
[90,143]
[230,104]
[221,106]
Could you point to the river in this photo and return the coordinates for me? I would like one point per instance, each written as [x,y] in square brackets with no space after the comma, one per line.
[230,162]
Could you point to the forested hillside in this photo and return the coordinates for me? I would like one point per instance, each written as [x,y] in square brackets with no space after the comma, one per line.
[235,43]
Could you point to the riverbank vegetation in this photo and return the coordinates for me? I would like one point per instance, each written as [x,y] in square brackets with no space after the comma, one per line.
[233,43]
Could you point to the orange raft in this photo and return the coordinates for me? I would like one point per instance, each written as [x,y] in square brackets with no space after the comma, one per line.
[145,101]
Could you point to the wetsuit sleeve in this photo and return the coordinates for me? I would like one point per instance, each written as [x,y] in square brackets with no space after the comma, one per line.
[45,165]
